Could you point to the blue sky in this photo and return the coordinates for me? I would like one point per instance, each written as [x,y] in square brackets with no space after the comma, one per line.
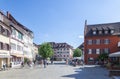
[61,20]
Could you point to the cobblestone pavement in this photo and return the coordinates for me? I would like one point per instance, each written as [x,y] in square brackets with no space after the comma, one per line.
[56,71]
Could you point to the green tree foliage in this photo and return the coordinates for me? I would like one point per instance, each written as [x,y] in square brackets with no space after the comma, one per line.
[45,50]
[77,52]
[103,56]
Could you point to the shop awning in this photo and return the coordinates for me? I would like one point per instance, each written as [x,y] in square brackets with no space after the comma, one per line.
[18,55]
[116,54]
[5,56]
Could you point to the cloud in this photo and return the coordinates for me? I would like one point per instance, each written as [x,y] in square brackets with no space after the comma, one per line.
[81,36]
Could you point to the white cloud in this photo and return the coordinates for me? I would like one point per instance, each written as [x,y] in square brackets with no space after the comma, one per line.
[81,36]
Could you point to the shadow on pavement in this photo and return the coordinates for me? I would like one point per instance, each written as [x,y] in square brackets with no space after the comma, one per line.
[89,72]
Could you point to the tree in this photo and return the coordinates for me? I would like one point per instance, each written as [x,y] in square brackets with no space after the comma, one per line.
[45,50]
[77,53]
[103,56]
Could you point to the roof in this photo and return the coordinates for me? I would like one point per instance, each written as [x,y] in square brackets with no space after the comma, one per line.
[10,17]
[81,46]
[103,27]
[60,45]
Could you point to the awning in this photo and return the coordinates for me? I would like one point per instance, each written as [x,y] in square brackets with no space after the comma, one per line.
[18,55]
[116,54]
[5,56]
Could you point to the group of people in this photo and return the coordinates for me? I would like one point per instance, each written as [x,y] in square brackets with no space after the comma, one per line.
[45,62]
[42,62]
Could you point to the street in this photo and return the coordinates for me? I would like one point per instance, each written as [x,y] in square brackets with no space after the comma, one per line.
[56,71]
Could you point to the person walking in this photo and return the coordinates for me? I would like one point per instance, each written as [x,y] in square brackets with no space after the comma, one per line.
[22,64]
[44,62]
[4,66]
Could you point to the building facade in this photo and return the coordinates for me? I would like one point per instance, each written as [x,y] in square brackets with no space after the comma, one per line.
[81,47]
[5,32]
[35,51]
[28,44]
[100,38]
[16,41]
[62,51]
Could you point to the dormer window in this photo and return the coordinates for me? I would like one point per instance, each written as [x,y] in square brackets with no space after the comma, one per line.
[112,31]
[100,32]
[106,31]
[94,32]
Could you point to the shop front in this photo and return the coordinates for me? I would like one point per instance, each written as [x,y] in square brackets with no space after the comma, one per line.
[16,60]
[4,59]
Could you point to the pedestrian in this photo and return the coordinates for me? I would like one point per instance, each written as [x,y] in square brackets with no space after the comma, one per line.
[47,62]
[41,63]
[51,61]
[22,64]
[4,66]
[44,62]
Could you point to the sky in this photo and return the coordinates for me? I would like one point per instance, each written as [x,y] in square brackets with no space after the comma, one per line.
[61,20]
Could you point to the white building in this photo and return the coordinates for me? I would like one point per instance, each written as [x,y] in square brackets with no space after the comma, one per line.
[28,44]
[62,51]
[21,41]
[4,42]
[16,41]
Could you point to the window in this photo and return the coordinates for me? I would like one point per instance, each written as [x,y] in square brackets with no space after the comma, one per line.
[97,51]
[97,41]
[8,47]
[1,29]
[67,48]
[1,45]
[5,32]
[13,46]
[90,59]
[94,32]
[8,33]
[20,35]
[112,31]
[13,31]
[89,42]
[5,46]
[106,31]
[18,48]
[89,51]
[106,41]
[100,32]
[106,50]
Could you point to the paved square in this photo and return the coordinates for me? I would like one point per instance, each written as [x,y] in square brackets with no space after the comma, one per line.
[56,71]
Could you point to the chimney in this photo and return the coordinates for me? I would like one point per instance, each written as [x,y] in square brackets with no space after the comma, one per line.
[8,14]
[85,27]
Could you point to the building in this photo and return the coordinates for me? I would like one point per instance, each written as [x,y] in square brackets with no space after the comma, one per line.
[28,44]
[5,32]
[82,49]
[62,51]
[21,41]
[35,51]
[100,38]
[16,41]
